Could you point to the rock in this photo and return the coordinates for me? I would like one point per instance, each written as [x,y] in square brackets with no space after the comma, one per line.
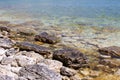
[113,51]
[110,62]
[85,72]
[65,78]
[117,72]
[33,47]
[5,70]
[26,31]
[15,69]
[11,51]
[70,57]
[105,57]
[94,73]
[7,60]
[21,78]
[51,64]
[6,77]
[24,60]
[31,54]
[6,43]
[39,72]
[2,51]
[3,28]
[47,38]
[76,77]
[67,71]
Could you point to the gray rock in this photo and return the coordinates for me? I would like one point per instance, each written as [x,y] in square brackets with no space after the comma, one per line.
[6,43]
[70,57]
[24,60]
[6,77]
[51,64]
[47,38]
[38,72]
[33,47]
[31,54]
[7,60]
[11,51]
[67,71]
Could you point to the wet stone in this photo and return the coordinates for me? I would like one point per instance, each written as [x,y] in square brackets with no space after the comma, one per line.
[113,51]
[71,58]
[47,38]
[33,47]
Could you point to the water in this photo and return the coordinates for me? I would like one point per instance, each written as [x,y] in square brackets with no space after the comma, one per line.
[89,12]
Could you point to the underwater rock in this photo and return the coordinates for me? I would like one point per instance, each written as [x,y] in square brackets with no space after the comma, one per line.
[70,57]
[67,71]
[113,51]
[33,47]
[3,28]
[47,38]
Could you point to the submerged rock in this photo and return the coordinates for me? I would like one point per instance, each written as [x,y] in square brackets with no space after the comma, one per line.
[3,28]
[67,71]
[39,72]
[47,38]
[33,47]
[70,57]
[113,51]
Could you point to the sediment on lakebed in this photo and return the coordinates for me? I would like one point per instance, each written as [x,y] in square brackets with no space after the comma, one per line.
[33,51]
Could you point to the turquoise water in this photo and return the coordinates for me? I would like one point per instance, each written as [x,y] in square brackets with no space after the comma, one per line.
[89,12]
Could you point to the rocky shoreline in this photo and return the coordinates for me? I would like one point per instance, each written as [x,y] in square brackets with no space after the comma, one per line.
[33,51]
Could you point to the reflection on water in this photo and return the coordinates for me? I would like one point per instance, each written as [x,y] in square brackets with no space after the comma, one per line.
[90,12]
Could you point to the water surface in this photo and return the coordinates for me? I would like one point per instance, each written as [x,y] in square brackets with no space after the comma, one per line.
[90,12]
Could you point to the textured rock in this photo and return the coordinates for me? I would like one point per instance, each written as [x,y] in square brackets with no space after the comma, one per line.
[51,64]
[2,51]
[11,51]
[39,72]
[26,31]
[5,70]
[6,77]
[7,60]
[110,62]
[31,54]
[47,38]
[67,71]
[113,51]
[33,47]
[70,57]
[6,43]
[3,28]
[24,60]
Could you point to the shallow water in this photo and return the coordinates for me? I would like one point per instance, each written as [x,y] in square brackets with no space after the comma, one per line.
[89,12]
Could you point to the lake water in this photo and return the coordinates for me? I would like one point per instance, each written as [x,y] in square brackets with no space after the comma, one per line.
[88,12]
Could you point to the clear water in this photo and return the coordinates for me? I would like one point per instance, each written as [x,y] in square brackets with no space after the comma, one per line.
[90,12]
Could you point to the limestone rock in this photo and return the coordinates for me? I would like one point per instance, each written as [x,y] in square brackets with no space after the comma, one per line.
[6,43]
[39,72]
[51,64]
